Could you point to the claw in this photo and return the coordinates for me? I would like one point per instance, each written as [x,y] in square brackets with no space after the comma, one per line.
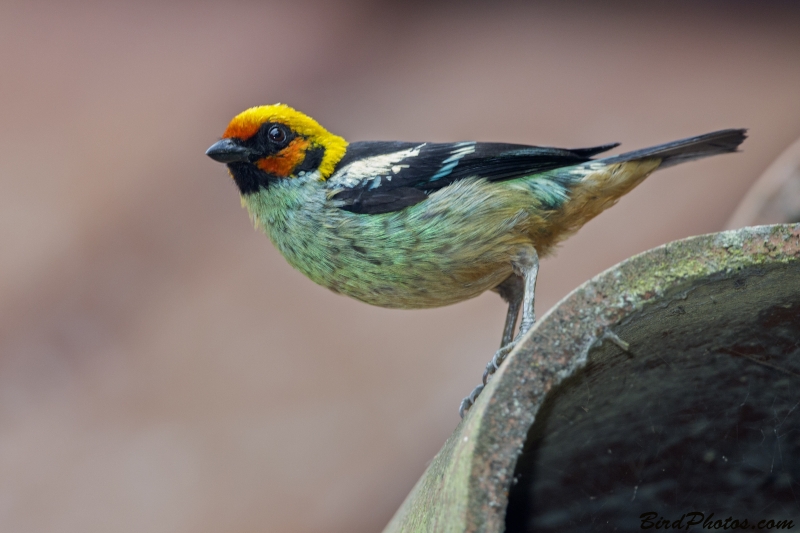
[499,356]
[490,368]
[469,401]
[464,407]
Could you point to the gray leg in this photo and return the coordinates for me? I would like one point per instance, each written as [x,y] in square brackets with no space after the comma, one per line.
[526,268]
[518,290]
[529,270]
[511,291]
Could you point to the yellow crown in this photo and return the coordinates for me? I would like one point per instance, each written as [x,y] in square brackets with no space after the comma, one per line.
[246,124]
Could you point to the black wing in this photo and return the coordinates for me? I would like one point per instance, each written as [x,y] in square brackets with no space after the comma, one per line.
[376,177]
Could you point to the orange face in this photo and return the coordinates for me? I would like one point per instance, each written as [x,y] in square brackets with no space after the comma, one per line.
[278,141]
[270,143]
[284,163]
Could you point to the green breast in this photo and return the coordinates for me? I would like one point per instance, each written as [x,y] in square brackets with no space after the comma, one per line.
[453,246]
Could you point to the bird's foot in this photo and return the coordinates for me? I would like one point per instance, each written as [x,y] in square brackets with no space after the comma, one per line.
[491,367]
[525,325]
[499,356]
[467,402]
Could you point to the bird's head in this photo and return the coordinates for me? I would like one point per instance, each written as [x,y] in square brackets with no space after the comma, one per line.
[272,142]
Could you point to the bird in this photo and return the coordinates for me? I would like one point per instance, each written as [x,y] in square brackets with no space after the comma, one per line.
[415,225]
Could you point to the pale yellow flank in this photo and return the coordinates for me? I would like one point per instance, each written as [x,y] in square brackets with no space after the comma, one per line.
[599,189]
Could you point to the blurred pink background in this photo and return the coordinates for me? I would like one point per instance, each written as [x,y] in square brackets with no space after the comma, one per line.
[163,369]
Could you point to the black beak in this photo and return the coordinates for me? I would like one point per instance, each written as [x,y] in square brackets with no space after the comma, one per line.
[227,151]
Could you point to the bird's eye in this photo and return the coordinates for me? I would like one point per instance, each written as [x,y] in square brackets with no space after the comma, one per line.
[276,134]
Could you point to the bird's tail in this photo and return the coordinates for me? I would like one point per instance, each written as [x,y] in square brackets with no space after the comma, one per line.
[673,153]
[599,183]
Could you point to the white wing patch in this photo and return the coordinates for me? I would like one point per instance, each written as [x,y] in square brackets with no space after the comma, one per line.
[375,167]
